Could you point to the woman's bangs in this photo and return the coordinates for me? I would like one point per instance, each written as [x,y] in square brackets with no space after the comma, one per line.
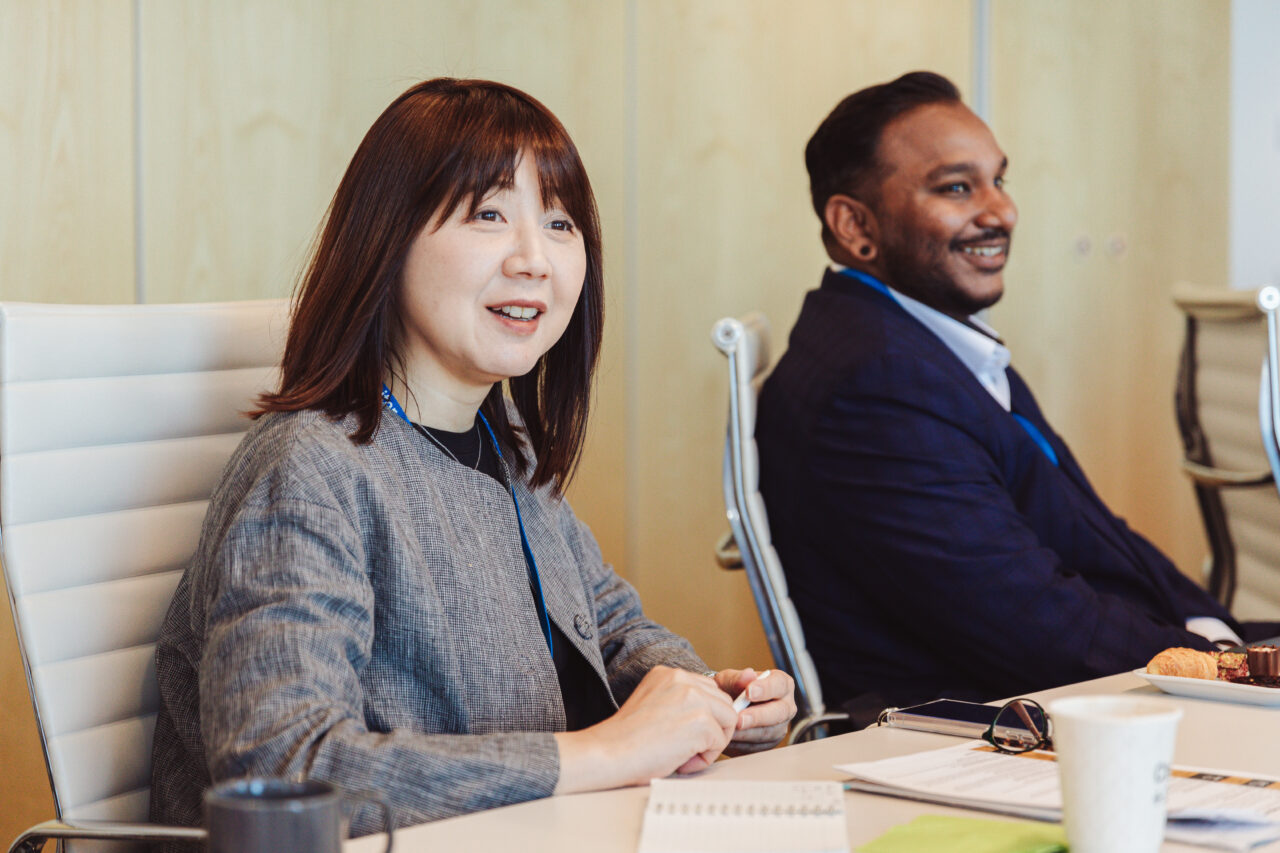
[563,182]
[485,168]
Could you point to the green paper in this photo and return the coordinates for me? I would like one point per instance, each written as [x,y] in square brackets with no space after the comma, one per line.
[930,833]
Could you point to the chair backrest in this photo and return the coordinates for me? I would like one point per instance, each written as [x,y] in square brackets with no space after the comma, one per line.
[745,343]
[1219,409]
[115,422]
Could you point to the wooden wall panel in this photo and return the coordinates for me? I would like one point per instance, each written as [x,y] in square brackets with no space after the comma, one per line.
[252,110]
[729,93]
[234,138]
[1115,120]
[66,155]
[66,235]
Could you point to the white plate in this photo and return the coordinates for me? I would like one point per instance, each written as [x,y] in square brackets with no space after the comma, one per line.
[1221,691]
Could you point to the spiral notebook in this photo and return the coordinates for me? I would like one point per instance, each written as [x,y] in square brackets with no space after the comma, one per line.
[702,816]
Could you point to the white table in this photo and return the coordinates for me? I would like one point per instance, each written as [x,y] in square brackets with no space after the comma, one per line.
[1211,734]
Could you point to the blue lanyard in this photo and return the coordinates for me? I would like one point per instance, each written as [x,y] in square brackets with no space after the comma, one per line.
[535,580]
[1037,436]
[867,279]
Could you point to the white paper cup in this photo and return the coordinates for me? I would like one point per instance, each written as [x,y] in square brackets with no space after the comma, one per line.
[1114,754]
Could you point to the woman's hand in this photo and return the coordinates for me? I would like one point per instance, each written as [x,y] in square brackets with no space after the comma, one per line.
[674,721]
[764,722]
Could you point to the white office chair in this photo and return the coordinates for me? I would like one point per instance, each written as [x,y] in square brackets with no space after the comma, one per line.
[115,422]
[748,544]
[1269,395]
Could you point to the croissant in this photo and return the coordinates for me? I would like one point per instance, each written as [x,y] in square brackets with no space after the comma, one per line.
[1187,663]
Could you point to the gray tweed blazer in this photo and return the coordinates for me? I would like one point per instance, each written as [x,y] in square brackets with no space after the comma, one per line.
[362,615]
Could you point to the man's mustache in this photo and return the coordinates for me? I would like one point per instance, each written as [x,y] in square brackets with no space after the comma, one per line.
[987,235]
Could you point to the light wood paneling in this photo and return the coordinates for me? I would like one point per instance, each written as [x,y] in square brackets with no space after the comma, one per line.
[729,93]
[66,235]
[252,111]
[66,156]
[1114,117]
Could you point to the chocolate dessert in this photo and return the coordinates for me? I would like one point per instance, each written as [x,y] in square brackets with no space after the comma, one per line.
[1263,667]
[1264,661]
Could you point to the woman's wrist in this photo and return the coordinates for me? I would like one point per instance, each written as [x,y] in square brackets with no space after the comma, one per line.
[585,764]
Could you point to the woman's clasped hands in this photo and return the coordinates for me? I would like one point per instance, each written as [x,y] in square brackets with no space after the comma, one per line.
[677,721]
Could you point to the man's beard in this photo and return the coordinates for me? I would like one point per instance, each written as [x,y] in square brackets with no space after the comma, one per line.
[920,271]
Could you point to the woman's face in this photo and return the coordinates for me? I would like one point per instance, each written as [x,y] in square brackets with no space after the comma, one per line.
[487,294]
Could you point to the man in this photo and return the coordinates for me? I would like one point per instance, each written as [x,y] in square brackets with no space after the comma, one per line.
[938,536]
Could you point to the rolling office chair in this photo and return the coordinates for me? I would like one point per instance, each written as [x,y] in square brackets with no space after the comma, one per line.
[1222,399]
[748,544]
[115,422]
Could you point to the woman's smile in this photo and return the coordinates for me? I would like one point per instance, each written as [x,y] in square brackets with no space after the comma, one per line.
[519,316]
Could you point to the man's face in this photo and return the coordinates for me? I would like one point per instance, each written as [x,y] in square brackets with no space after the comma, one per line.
[945,219]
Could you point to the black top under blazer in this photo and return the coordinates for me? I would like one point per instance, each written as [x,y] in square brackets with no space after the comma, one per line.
[931,547]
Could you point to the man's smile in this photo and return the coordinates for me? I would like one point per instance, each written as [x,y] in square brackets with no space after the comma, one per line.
[987,252]
[984,251]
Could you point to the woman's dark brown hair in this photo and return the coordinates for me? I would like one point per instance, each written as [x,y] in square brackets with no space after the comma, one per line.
[442,144]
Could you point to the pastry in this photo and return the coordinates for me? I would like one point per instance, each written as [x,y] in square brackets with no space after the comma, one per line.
[1185,663]
[1232,666]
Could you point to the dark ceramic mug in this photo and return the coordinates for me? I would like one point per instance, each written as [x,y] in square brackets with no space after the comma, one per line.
[272,815]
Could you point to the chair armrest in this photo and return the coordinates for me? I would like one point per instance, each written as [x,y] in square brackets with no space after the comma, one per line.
[34,839]
[813,726]
[727,553]
[1209,476]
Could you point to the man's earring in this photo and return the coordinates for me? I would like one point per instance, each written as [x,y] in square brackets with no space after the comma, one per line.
[865,251]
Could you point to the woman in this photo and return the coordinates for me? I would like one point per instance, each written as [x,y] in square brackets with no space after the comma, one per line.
[390,592]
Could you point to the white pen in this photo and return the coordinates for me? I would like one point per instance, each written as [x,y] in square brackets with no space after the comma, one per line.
[740,704]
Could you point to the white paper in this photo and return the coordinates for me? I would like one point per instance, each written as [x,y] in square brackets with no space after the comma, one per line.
[1216,808]
[704,816]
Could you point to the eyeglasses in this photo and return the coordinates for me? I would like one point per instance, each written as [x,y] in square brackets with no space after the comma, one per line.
[1021,725]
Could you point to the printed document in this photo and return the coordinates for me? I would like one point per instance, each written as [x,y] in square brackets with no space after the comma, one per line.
[1216,808]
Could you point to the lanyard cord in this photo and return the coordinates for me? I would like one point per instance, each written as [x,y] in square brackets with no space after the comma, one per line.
[531,565]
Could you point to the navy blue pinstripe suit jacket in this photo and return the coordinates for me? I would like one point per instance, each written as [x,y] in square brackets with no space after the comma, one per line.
[932,548]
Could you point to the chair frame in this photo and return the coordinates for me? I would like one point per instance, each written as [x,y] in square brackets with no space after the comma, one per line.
[1207,479]
[1269,396]
[64,829]
[34,839]
[748,542]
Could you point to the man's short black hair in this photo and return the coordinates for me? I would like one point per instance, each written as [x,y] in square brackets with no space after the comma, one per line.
[841,154]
